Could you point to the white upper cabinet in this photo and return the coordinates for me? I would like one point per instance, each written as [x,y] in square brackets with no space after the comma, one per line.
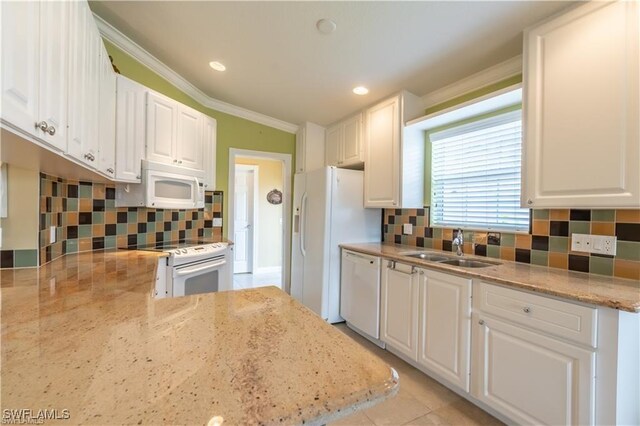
[344,143]
[582,132]
[84,94]
[174,133]
[107,116]
[35,68]
[162,119]
[189,145]
[394,156]
[209,126]
[310,147]
[130,129]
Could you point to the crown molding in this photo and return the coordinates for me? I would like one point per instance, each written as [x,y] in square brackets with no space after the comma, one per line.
[476,81]
[133,49]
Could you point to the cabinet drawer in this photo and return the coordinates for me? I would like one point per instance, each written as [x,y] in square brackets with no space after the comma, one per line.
[562,319]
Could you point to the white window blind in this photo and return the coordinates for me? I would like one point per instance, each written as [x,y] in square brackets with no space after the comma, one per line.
[476,175]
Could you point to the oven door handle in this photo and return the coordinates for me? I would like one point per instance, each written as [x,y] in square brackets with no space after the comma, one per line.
[207,267]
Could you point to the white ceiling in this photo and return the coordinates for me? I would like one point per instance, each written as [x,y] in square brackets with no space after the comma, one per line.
[278,64]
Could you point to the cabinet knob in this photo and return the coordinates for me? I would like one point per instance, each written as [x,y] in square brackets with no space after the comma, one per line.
[481,322]
[529,202]
[526,309]
[110,170]
[51,130]
[175,161]
[180,162]
[42,126]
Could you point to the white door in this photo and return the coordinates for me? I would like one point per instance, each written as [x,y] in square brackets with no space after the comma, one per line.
[107,109]
[333,145]
[445,326]
[582,133]
[54,71]
[130,129]
[189,146]
[399,313]
[532,378]
[243,220]
[382,175]
[352,140]
[20,64]
[162,117]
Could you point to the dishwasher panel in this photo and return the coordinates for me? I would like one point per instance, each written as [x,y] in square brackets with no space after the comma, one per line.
[360,292]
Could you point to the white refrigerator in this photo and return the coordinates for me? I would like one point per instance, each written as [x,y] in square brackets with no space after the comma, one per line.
[328,210]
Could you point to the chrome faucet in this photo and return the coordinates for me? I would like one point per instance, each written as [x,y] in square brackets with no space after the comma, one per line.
[458,241]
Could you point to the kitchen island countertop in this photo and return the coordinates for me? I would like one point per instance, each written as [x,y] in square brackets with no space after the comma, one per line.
[83,334]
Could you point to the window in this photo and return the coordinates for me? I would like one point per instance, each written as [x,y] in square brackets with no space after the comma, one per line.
[475,177]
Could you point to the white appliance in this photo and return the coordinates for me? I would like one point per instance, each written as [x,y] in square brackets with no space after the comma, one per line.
[328,211]
[360,293]
[163,187]
[192,267]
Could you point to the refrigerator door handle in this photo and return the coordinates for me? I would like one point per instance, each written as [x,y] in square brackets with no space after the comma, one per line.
[303,224]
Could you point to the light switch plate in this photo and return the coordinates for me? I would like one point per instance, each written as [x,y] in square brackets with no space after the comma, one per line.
[52,234]
[600,244]
[217,222]
[407,229]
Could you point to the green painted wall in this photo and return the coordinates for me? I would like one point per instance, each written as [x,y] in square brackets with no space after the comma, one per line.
[516,79]
[233,132]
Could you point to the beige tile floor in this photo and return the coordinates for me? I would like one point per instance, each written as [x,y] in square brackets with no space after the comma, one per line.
[420,400]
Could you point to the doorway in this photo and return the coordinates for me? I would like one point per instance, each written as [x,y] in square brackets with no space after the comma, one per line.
[259,206]
[245,203]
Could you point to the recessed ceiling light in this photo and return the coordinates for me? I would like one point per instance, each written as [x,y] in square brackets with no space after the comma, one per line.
[217,66]
[360,90]
[326,26]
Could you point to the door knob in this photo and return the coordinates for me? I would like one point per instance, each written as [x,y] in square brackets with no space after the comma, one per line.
[42,126]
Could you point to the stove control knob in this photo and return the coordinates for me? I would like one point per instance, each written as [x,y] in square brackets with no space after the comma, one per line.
[177,252]
[184,250]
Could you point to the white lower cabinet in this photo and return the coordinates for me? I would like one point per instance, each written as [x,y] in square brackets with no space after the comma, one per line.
[532,378]
[399,308]
[445,323]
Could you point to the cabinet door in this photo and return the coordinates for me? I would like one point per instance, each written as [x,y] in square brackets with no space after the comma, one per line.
[162,119]
[399,313]
[107,109]
[352,140]
[20,64]
[333,145]
[54,71]
[209,140]
[189,145]
[130,129]
[382,151]
[78,74]
[91,143]
[445,326]
[531,378]
[582,89]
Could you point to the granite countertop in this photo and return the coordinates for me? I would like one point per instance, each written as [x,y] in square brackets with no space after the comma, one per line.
[617,293]
[82,333]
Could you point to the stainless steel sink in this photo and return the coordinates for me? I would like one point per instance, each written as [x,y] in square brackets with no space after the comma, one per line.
[432,257]
[464,263]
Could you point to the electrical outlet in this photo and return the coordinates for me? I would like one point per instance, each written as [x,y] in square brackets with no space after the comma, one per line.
[217,222]
[600,244]
[407,229]
[52,234]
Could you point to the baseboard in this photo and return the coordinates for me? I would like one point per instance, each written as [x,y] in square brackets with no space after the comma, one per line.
[267,270]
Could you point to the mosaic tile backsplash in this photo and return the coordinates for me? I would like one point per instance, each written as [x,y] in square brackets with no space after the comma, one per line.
[547,244]
[86,218]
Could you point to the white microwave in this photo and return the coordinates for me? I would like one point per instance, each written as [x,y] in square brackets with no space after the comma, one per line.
[163,187]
